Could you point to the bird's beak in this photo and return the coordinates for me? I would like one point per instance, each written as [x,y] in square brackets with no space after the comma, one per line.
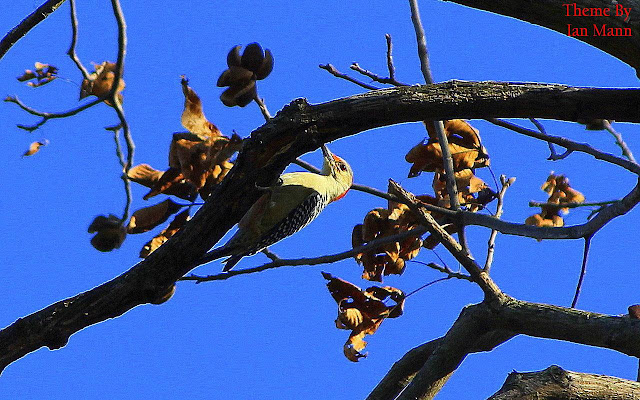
[329,157]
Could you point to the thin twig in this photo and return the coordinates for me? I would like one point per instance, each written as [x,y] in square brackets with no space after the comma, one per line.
[488,286]
[390,66]
[421,39]
[328,259]
[444,270]
[626,151]
[333,71]
[375,77]
[74,38]
[570,145]
[494,233]
[554,154]
[33,19]
[125,178]
[571,205]
[263,107]
[46,115]
[583,270]
[272,256]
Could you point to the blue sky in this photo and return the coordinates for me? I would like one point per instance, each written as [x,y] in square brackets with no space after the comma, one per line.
[272,334]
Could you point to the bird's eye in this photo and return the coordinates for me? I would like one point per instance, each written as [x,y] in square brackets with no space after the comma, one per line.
[342,167]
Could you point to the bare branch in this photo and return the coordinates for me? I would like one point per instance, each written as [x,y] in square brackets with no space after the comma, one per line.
[583,270]
[494,233]
[263,107]
[333,71]
[375,77]
[626,151]
[390,67]
[33,19]
[488,286]
[570,145]
[423,54]
[74,38]
[47,116]
[572,205]
[328,259]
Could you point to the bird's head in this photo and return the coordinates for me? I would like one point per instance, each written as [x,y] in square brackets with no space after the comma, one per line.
[338,169]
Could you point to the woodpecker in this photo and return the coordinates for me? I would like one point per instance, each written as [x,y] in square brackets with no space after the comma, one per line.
[284,209]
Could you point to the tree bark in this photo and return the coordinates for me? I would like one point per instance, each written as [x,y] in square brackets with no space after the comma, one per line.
[555,383]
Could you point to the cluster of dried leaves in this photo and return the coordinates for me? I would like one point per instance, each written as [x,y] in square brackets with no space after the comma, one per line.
[41,75]
[362,311]
[468,154]
[198,160]
[240,78]
[100,82]
[560,192]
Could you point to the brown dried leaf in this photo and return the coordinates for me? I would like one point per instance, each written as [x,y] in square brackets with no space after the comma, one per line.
[34,148]
[193,118]
[43,74]
[173,228]
[148,218]
[171,182]
[465,147]
[100,82]
[362,311]
[109,233]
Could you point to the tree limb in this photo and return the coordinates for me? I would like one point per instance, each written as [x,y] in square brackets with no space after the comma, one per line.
[297,129]
[33,19]
[555,383]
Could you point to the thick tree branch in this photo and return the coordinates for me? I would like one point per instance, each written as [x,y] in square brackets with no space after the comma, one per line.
[553,15]
[500,321]
[297,129]
[33,19]
[555,383]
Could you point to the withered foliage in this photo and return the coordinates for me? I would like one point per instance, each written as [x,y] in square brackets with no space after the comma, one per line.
[148,218]
[109,232]
[243,72]
[41,75]
[389,258]
[362,311]
[473,193]
[100,82]
[34,148]
[559,191]
[173,228]
[198,161]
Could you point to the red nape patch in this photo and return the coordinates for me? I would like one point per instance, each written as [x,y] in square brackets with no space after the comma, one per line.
[341,196]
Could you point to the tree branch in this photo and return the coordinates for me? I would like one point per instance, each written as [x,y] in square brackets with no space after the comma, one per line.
[33,19]
[555,383]
[297,129]
[504,320]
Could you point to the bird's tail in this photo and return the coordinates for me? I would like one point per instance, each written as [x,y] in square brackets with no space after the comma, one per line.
[220,252]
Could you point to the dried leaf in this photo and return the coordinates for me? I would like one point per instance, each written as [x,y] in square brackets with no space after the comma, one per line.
[109,233]
[559,191]
[465,147]
[34,148]
[100,82]
[170,182]
[178,222]
[362,311]
[148,218]
[193,118]
[43,74]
